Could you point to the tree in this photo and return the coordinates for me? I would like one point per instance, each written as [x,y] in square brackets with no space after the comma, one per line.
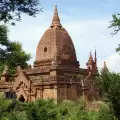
[17,57]
[11,53]
[49,110]
[115,24]
[42,110]
[11,10]
[109,83]
[4,43]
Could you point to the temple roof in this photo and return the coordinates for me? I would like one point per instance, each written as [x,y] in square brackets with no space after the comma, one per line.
[56,19]
[55,42]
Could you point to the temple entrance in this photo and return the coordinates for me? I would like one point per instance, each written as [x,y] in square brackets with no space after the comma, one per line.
[21,98]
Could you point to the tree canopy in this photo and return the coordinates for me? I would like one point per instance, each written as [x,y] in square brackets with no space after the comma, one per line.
[115,24]
[109,84]
[49,110]
[11,10]
[11,53]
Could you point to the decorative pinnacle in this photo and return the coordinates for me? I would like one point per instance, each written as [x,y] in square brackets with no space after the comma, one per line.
[56,19]
[90,57]
[95,59]
[105,66]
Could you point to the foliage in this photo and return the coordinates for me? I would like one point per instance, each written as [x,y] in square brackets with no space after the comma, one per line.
[42,110]
[49,110]
[109,83]
[11,53]
[11,10]
[4,105]
[4,42]
[118,48]
[77,111]
[17,57]
[1,68]
[115,24]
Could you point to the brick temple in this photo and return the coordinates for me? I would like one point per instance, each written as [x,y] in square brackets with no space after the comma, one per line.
[56,72]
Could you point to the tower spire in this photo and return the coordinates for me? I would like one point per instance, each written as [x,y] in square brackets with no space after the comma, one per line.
[90,61]
[95,59]
[105,66]
[56,19]
[90,57]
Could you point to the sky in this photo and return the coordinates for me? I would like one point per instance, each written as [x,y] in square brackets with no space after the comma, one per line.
[87,23]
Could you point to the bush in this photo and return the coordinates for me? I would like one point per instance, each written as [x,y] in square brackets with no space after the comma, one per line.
[48,110]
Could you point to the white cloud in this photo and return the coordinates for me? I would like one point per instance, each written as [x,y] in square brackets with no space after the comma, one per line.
[112,62]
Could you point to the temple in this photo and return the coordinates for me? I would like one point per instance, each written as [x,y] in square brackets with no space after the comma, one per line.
[56,72]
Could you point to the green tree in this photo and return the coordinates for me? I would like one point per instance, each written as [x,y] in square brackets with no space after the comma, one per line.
[17,56]
[4,42]
[11,10]
[115,24]
[4,105]
[11,53]
[48,110]
[42,110]
[77,111]
[109,83]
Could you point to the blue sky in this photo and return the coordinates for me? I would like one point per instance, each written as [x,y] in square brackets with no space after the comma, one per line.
[87,23]
[85,7]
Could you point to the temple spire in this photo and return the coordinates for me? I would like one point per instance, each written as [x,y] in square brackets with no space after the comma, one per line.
[90,57]
[95,59]
[56,19]
[105,66]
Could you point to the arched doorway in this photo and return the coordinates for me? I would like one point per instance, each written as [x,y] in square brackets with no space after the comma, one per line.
[21,98]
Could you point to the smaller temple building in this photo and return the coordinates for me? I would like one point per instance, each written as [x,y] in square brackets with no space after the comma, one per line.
[56,72]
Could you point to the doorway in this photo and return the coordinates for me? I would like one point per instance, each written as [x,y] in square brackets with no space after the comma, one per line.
[21,98]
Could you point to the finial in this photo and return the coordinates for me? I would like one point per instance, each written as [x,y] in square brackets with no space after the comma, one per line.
[90,57]
[105,66]
[90,60]
[56,20]
[95,59]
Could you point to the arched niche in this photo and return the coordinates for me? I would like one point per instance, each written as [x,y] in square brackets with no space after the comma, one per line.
[21,98]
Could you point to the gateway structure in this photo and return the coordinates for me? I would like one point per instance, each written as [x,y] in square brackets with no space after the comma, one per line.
[56,73]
